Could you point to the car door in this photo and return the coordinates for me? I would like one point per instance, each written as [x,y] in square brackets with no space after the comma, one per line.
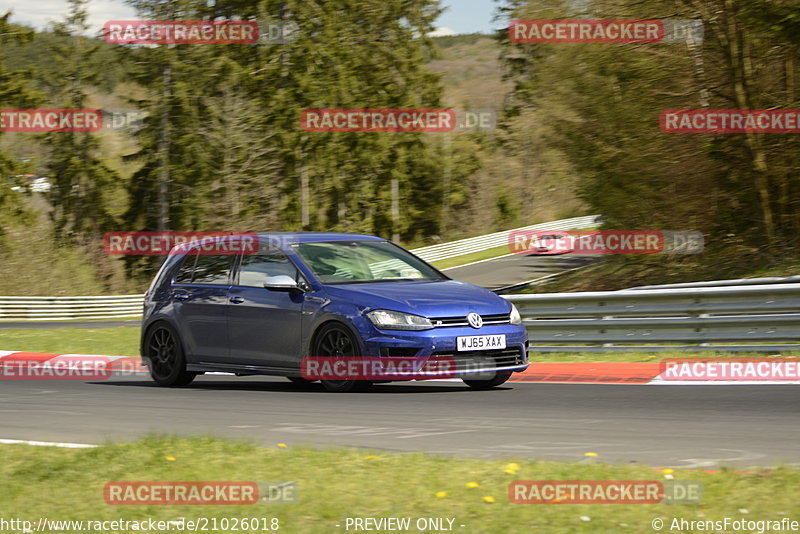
[200,297]
[264,326]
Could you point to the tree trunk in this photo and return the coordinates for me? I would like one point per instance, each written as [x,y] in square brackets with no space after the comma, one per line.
[163,151]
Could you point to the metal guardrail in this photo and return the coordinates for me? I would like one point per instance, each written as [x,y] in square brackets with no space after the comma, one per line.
[461,247]
[750,317]
[720,283]
[70,308]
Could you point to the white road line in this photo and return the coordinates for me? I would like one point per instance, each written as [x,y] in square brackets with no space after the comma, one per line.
[47,444]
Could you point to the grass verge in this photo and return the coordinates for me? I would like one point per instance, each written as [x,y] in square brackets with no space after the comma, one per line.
[343,482]
[117,341]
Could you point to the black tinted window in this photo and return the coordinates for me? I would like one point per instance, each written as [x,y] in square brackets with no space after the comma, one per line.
[212,269]
[256,268]
[186,271]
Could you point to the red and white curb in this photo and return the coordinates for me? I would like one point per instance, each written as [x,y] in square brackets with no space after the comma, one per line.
[647,373]
[22,365]
[8,356]
[589,373]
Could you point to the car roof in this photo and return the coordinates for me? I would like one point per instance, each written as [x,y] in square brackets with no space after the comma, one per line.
[316,237]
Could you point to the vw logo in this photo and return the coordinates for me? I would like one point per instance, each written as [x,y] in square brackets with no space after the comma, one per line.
[474,320]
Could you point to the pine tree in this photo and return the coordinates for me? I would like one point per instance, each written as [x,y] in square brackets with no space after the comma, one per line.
[15,92]
[80,179]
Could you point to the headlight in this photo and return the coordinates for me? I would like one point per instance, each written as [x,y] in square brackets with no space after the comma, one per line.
[515,316]
[392,320]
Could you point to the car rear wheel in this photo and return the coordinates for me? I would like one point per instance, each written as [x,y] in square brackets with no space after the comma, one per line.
[167,361]
[334,340]
[500,377]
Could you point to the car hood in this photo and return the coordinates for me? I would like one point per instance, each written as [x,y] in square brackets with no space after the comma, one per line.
[441,298]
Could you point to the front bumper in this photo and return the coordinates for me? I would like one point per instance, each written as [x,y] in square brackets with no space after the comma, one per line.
[440,344]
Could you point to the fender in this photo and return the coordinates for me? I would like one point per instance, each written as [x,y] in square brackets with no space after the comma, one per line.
[348,318]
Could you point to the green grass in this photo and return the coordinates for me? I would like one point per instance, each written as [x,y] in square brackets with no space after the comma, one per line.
[124,341]
[336,483]
[118,341]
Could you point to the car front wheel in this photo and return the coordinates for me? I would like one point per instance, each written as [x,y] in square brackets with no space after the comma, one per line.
[334,340]
[500,377]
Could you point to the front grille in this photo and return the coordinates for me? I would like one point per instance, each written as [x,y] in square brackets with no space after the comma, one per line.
[501,318]
[481,359]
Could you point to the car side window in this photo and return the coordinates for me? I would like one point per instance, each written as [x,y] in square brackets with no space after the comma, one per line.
[186,271]
[213,269]
[255,268]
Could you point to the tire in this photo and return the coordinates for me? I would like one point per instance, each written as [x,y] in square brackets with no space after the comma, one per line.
[167,360]
[300,380]
[332,341]
[499,378]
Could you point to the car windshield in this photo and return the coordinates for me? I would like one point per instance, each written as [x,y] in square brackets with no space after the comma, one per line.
[352,262]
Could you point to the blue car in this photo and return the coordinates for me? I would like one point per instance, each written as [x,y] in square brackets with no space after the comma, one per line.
[327,295]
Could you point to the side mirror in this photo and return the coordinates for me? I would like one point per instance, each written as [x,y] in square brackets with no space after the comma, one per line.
[281,282]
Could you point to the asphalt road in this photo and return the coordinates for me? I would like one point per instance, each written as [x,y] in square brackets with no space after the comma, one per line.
[661,426]
[515,269]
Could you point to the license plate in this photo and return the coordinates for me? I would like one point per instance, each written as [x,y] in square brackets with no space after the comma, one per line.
[481,342]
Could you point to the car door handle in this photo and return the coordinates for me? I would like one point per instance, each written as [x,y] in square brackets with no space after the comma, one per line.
[181,295]
[236,300]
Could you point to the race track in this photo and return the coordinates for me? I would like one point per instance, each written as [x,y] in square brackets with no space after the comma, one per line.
[698,427]
[515,269]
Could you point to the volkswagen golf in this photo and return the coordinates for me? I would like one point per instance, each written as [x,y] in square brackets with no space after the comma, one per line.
[262,310]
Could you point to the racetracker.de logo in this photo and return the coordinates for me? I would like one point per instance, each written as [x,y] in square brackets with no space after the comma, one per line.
[35,366]
[554,242]
[169,242]
[181,32]
[199,493]
[374,368]
[605,31]
[730,121]
[604,492]
[586,31]
[731,369]
[48,120]
[378,120]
